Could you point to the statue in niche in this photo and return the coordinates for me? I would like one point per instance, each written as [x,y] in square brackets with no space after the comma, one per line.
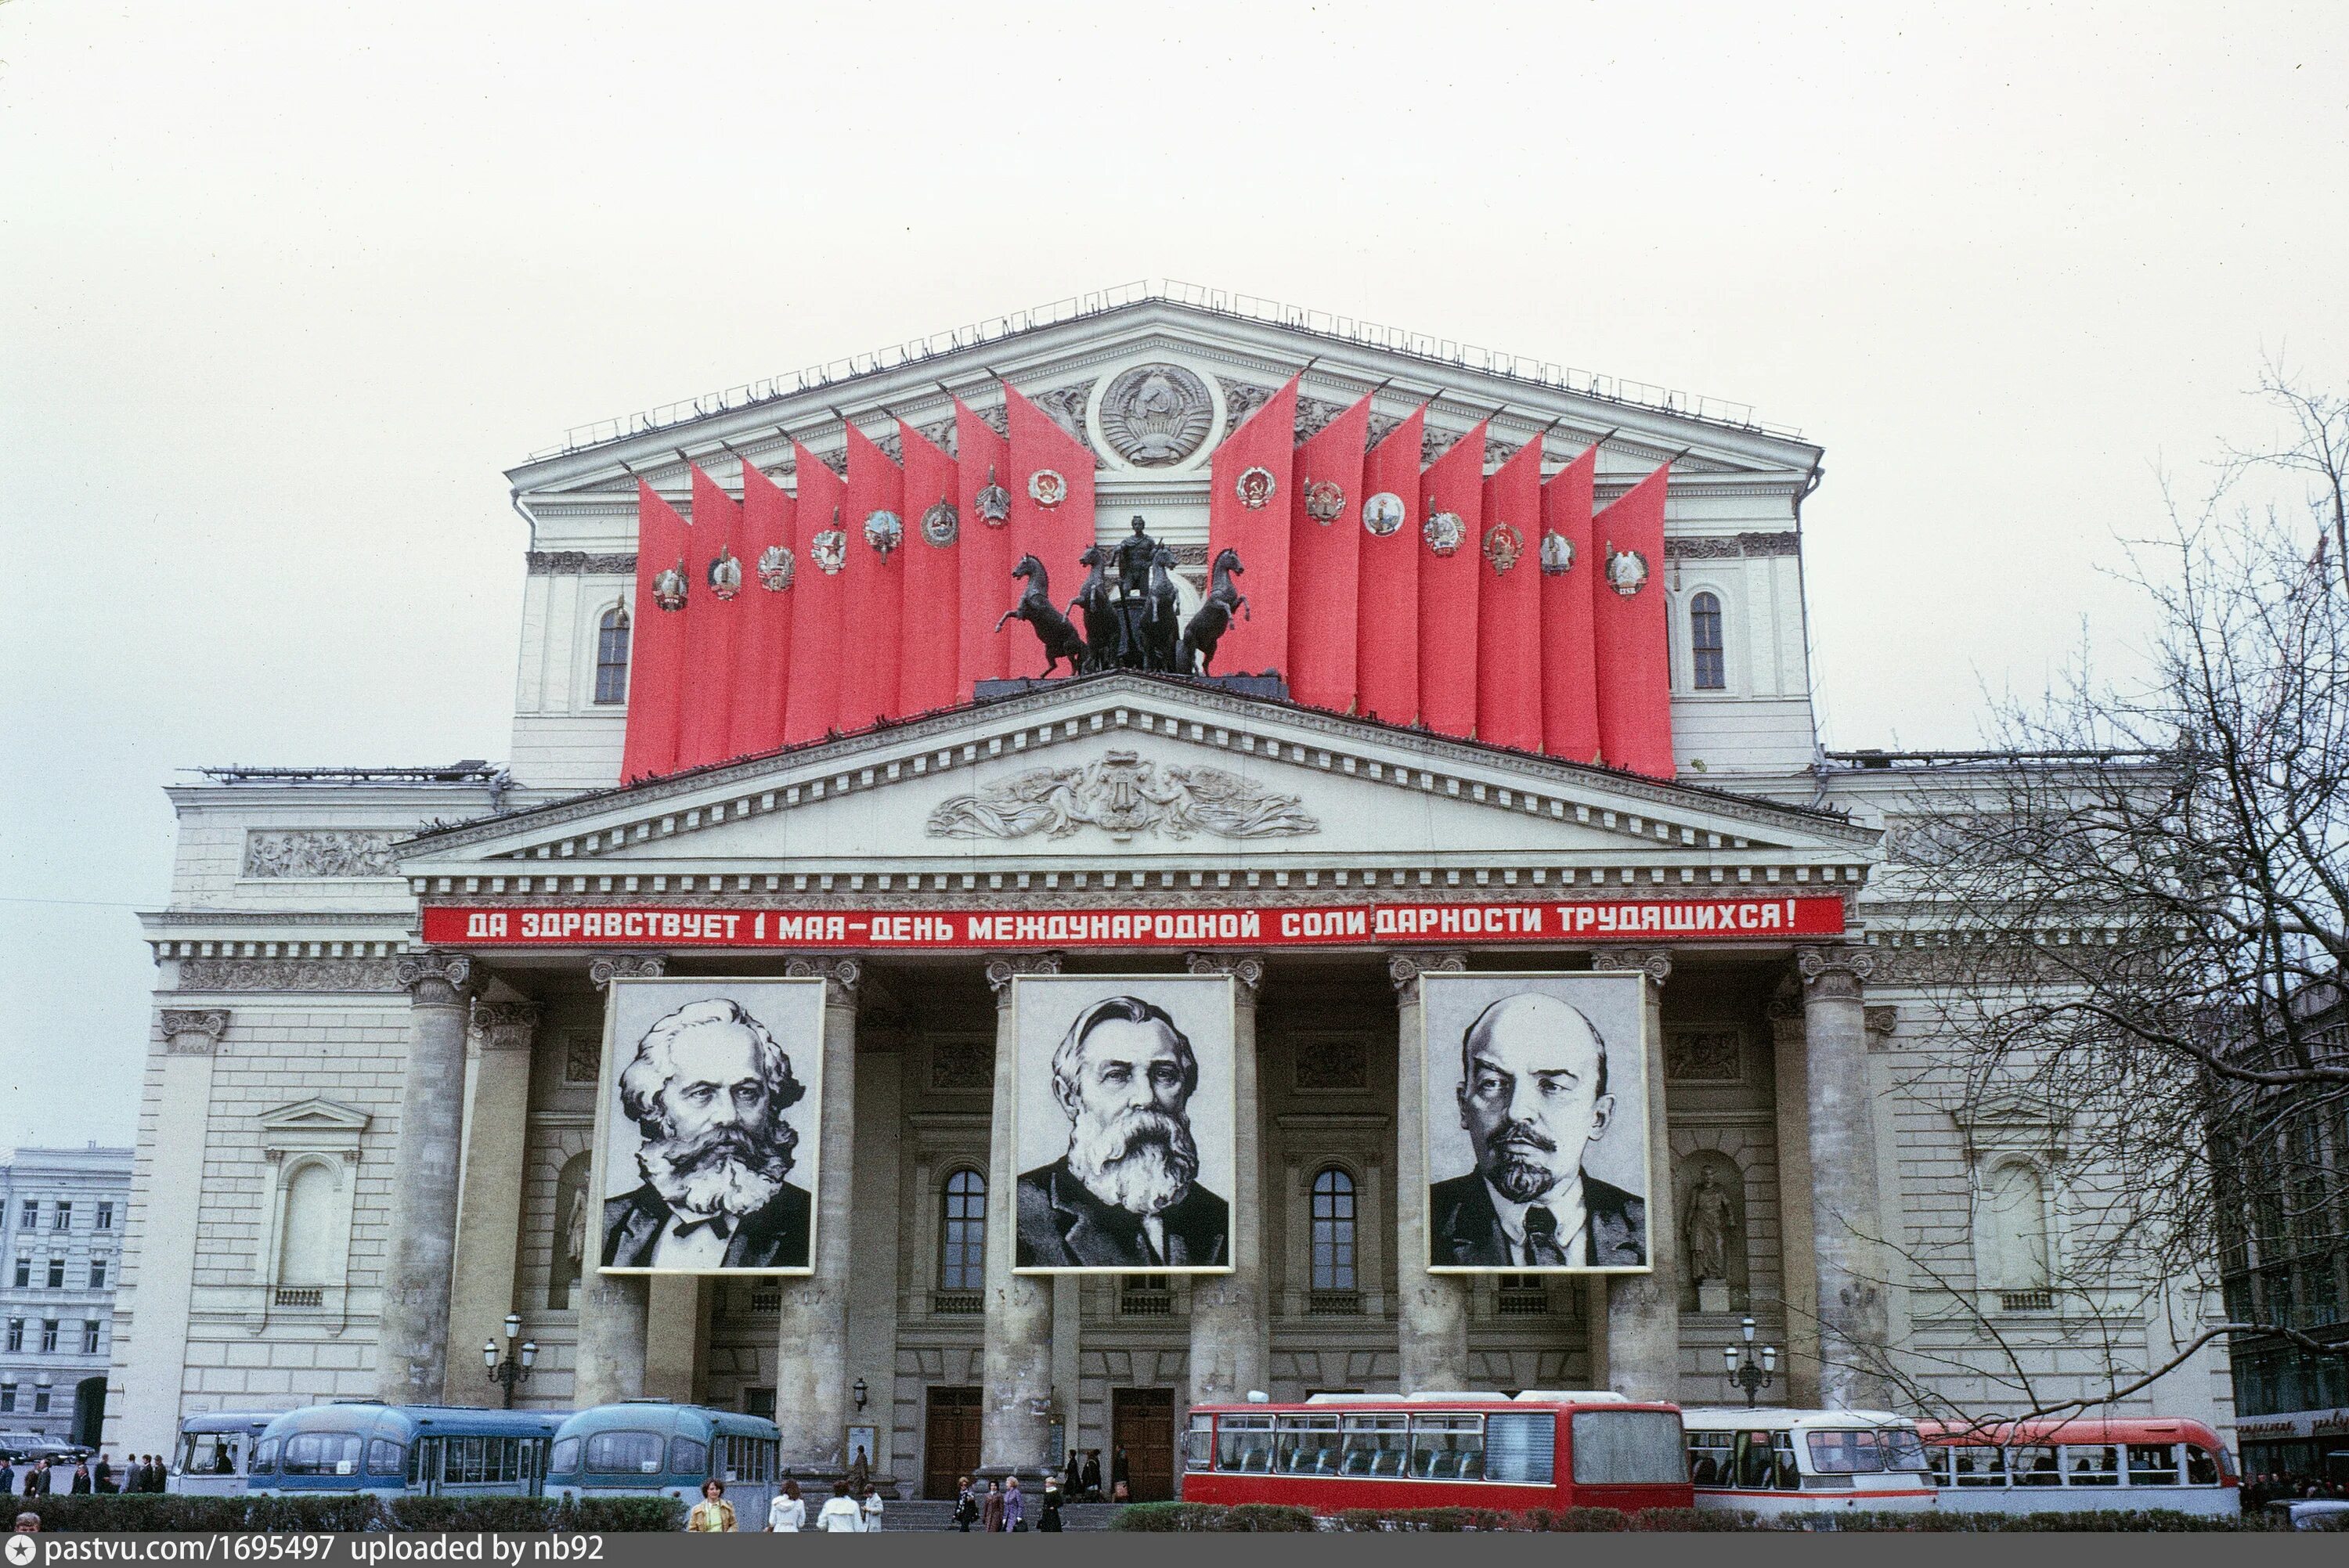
[1708,1227]
[572,1214]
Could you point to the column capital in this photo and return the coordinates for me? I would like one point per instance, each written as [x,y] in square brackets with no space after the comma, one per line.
[434,978]
[1655,963]
[193,1031]
[1835,974]
[840,977]
[1247,969]
[504,1026]
[1004,968]
[604,968]
[1405,968]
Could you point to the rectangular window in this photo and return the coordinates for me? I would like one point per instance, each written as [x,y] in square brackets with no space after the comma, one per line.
[1627,1448]
[15,1334]
[64,1222]
[2092,1464]
[24,1270]
[7,1398]
[105,1219]
[1521,1447]
[1376,1445]
[759,1402]
[1199,1444]
[1307,1445]
[2152,1464]
[40,1399]
[1244,1444]
[89,1336]
[57,1274]
[1451,1448]
[48,1334]
[97,1274]
[1709,1458]
[30,1216]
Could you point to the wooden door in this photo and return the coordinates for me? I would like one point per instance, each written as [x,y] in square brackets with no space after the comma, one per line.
[1141,1422]
[950,1446]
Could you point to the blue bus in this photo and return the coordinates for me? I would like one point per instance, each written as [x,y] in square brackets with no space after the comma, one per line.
[653,1446]
[215,1446]
[397,1450]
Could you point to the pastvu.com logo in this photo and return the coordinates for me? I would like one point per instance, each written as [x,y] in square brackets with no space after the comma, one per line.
[20,1549]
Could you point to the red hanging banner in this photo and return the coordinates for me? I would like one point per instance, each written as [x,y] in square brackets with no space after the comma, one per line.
[656,639]
[1325,562]
[982,478]
[1628,621]
[1451,508]
[710,622]
[815,710]
[1569,666]
[762,642]
[873,585]
[1508,605]
[930,631]
[1386,627]
[1052,516]
[1247,513]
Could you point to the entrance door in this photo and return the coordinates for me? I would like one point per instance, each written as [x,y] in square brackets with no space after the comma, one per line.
[950,1447]
[1141,1422]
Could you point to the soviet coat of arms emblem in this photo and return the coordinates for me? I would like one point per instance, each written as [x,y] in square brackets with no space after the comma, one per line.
[942,525]
[725,575]
[994,501]
[1503,545]
[1557,554]
[1627,571]
[775,568]
[1324,501]
[1384,513]
[1254,486]
[668,587]
[830,548]
[884,530]
[1047,488]
[1444,533]
[1157,415]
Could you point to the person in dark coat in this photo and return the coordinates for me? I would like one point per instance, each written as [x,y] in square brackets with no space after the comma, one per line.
[965,1512]
[1048,1517]
[1092,1475]
[1072,1479]
[990,1510]
[103,1474]
[81,1481]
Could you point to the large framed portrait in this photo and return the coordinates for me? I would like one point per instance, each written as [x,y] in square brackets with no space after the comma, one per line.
[1536,1115]
[707,1144]
[1123,1123]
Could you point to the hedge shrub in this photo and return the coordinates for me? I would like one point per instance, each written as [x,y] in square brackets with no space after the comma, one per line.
[1189,1516]
[146,1511]
[344,1512]
[1193,1516]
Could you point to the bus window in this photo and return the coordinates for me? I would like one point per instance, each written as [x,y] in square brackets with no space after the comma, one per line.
[1244,1443]
[1627,1448]
[2201,1469]
[1521,1446]
[2092,1465]
[623,1453]
[1447,1447]
[1757,1461]
[385,1457]
[2152,1464]
[565,1458]
[688,1455]
[2035,1465]
[1199,1444]
[264,1458]
[1375,1445]
[1308,1445]
[1980,1466]
[322,1453]
[1903,1450]
[1709,1459]
[1845,1452]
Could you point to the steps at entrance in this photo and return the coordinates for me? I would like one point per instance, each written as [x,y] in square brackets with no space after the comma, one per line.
[927,1515]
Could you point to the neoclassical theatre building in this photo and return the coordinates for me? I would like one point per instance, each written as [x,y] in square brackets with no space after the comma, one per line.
[1372,660]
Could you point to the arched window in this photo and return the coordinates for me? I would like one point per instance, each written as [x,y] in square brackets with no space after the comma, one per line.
[306,1254]
[1704,642]
[2015,1226]
[962,1233]
[1334,1230]
[612,656]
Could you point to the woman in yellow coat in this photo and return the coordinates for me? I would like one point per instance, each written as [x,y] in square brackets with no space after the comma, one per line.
[713,1512]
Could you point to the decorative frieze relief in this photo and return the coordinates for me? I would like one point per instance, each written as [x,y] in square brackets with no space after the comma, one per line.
[1704,1056]
[605,967]
[1066,405]
[319,852]
[1733,546]
[580,563]
[1331,1061]
[962,1061]
[1655,963]
[289,974]
[1125,797]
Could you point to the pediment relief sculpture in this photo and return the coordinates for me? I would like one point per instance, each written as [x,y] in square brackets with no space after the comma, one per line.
[1124,796]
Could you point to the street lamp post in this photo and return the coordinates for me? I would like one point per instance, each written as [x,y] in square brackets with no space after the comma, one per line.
[1744,1371]
[515,1367]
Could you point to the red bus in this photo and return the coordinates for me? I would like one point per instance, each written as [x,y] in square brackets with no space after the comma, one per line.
[1536,1449]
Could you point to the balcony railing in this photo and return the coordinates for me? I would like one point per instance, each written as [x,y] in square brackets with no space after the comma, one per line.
[768,1300]
[1333,1304]
[2026,1301]
[301,1296]
[1521,1300]
[957,1303]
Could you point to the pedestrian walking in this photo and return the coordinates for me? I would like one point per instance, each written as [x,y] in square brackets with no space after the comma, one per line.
[868,1502]
[1121,1475]
[104,1474]
[965,1513]
[81,1481]
[840,1515]
[1015,1507]
[1048,1517]
[1092,1475]
[1073,1478]
[713,1515]
[787,1514]
[990,1510]
[7,1477]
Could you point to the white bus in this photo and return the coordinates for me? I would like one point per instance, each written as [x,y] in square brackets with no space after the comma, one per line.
[1774,1462]
[2083,1466]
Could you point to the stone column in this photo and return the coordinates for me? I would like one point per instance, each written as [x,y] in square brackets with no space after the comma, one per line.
[811,1374]
[1432,1326]
[1016,1424]
[614,1310]
[1643,1311]
[1846,1243]
[676,1335]
[159,1236]
[1799,1287]
[412,1343]
[488,1209]
[1231,1332]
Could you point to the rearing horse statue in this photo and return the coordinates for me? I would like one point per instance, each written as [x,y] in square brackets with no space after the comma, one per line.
[1215,617]
[1052,629]
[1104,633]
[1162,628]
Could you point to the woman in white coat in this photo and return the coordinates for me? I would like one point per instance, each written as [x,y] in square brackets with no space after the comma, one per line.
[787,1514]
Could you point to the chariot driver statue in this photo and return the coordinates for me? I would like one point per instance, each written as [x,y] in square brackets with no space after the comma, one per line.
[1134,553]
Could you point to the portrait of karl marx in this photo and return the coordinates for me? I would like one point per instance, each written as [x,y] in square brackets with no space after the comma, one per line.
[1126,1195]
[1533,1098]
[708,1088]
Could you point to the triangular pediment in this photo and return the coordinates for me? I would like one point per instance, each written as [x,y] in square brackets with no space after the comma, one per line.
[1139,773]
[313,1115]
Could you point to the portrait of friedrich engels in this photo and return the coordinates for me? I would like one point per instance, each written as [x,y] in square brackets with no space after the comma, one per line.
[707,1088]
[1533,1098]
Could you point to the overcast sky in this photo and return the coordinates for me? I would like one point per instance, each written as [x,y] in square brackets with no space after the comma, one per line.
[283,288]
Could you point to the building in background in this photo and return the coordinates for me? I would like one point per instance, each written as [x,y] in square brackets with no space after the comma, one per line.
[67,1212]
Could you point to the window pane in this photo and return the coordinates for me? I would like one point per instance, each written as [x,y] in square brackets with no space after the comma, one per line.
[623,1453]
[1845,1452]
[1626,1448]
[1244,1443]
[1199,1444]
[322,1453]
[962,1244]
[1375,1445]
[385,1457]
[1704,642]
[612,658]
[2152,1464]
[686,1456]
[1448,1447]
[566,1456]
[1308,1445]
[2092,1464]
[1521,1447]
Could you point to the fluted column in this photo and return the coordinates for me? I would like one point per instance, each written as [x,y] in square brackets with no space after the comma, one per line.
[614,1309]
[812,1375]
[1432,1326]
[412,1343]
[1643,1311]
[1231,1332]
[1791,1080]
[1846,1240]
[1015,1430]
[488,1211]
